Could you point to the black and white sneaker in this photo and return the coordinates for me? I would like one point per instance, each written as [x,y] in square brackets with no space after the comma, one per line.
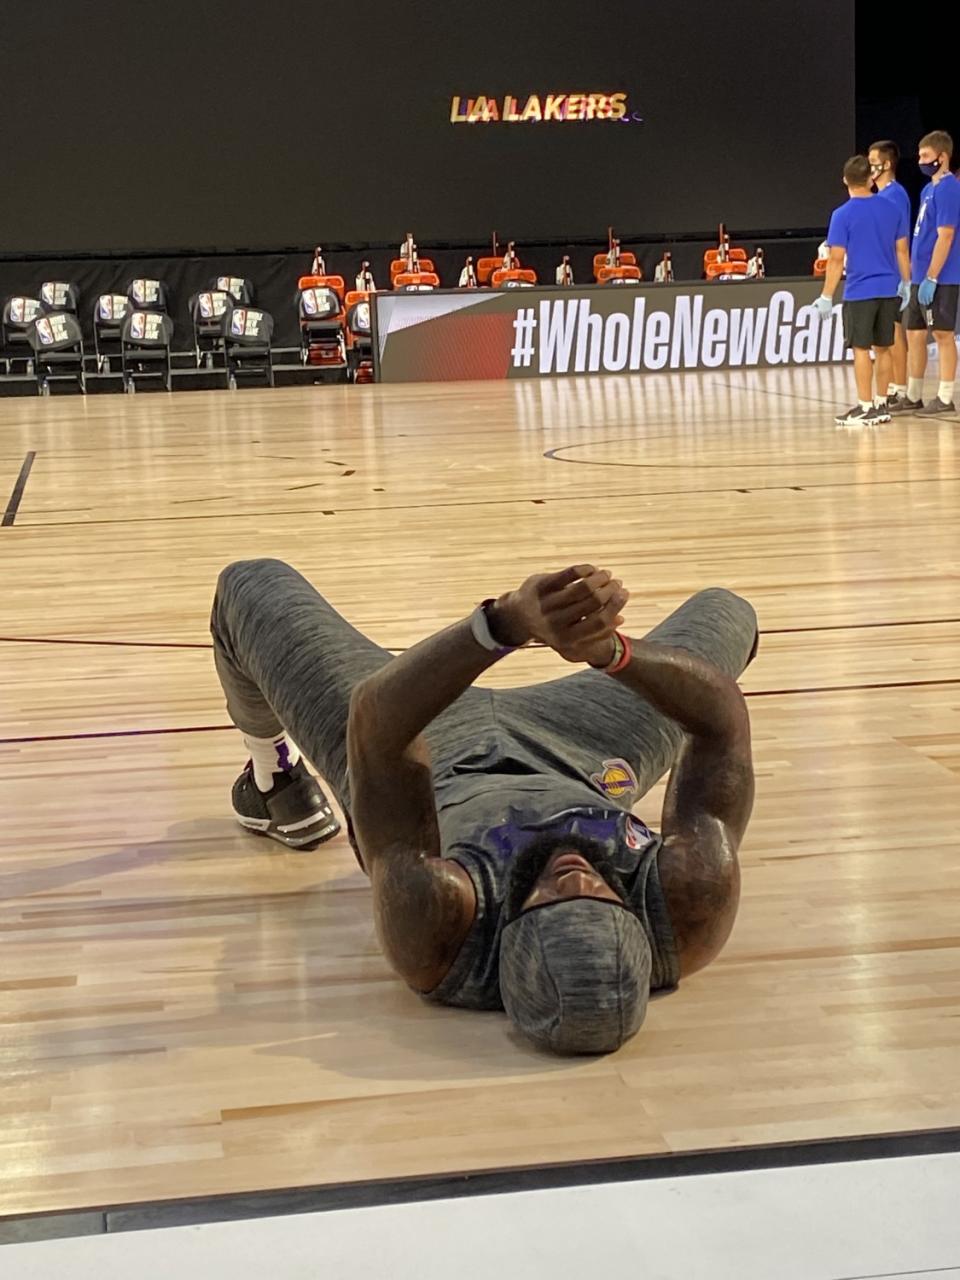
[934,408]
[900,404]
[295,812]
[860,417]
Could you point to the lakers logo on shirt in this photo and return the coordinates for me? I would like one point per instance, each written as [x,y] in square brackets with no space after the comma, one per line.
[616,779]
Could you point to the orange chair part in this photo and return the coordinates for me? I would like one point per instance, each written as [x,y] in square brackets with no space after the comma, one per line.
[606,273]
[399,265]
[523,275]
[416,277]
[731,268]
[627,259]
[486,267]
[713,255]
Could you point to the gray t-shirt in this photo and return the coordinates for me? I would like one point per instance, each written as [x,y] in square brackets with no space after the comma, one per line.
[486,818]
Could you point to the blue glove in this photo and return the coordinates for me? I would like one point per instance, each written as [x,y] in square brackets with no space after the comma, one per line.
[926,292]
[903,293]
[824,306]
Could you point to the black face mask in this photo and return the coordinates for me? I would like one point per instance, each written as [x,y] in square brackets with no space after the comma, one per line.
[930,168]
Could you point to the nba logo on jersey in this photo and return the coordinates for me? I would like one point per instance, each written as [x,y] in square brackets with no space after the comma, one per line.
[615,779]
[636,833]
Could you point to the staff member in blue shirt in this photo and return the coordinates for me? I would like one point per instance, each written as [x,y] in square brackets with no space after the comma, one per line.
[935,273]
[873,235]
[884,158]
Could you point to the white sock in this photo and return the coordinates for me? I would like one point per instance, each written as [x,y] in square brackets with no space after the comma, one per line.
[866,404]
[914,388]
[880,402]
[895,389]
[946,392]
[270,756]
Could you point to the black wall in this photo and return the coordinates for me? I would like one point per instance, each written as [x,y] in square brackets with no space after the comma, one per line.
[233,124]
[907,79]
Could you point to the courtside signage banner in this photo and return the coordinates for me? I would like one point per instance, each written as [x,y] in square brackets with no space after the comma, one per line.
[541,333]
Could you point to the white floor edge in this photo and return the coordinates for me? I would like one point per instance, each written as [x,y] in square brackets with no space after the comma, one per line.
[895,1217]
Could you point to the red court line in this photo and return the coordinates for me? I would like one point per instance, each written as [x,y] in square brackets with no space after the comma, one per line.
[196,644]
[217,728]
[114,733]
[851,688]
[855,626]
[118,644]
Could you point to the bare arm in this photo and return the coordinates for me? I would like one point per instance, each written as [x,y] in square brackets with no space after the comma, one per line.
[709,797]
[423,904]
[834,270]
[903,259]
[397,702]
[941,251]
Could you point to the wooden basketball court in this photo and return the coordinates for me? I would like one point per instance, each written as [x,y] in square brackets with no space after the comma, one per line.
[186,1010]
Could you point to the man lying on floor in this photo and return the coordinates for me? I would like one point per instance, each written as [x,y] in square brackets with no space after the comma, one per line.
[507,869]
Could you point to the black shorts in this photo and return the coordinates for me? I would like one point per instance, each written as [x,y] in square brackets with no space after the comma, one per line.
[869,322]
[944,307]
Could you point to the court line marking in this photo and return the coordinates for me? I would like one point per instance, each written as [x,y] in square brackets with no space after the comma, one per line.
[850,688]
[851,626]
[117,644]
[782,395]
[392,648]
[218,728]
[787,395]
[565,498]
[13,506]
[552,455]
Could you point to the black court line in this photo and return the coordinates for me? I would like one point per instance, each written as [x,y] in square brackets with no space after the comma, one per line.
[553,455]
[13,506]
[788,395]
[780,395]
[563,499]
[323,1198]
[218,728]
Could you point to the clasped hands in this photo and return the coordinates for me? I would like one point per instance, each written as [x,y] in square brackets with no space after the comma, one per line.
[575,612]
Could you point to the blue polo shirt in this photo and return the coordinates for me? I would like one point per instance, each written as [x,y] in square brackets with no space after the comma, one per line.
[939,207]
[869,228]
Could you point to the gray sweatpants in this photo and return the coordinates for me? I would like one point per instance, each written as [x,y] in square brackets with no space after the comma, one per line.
[288,661]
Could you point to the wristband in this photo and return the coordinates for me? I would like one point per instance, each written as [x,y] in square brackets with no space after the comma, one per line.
[480,627]
[623,659]
[622,654]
